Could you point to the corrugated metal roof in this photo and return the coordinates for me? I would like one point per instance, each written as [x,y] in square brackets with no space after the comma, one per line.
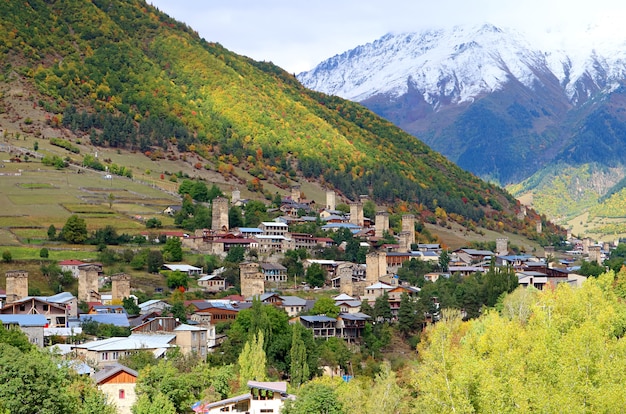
[318,318]
[25,320]
[132,342]
[117,319]
[293,301]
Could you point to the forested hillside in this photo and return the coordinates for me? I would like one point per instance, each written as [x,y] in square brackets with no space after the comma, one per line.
[122,74]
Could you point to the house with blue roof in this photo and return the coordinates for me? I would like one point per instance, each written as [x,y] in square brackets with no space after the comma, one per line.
[31,325]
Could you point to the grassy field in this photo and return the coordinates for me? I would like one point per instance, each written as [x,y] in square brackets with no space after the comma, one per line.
[35,196]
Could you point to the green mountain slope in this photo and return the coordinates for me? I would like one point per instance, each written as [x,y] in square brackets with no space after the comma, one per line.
[122,74]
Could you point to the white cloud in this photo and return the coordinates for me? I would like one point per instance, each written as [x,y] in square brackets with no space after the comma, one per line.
[298,35]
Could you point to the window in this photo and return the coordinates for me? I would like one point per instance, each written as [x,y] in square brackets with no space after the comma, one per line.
[104,356]
[22,308]
[122,394]
[46,307]
[115,355]
[267,410]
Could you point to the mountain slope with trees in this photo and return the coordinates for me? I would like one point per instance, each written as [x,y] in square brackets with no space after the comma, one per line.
[124,75]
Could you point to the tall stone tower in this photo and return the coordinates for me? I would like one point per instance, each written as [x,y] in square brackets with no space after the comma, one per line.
[586,244]
[404,238]
[356,213]
[595,254]
[120,286]
[376,266]
[219,217]
[251,279]
[17,285]
[382,223]
[539,227]
[408,225]
[502,246]
[331,203]
[295,193]
[235,196]
[344,273]
[88,283]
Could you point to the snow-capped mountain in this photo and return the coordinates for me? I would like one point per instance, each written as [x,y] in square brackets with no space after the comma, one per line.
[461,63]
[489,98]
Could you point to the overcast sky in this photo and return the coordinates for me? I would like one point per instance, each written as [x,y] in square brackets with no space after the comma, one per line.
[297,35]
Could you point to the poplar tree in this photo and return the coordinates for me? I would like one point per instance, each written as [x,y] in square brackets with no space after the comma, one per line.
[299,369]
[252,361]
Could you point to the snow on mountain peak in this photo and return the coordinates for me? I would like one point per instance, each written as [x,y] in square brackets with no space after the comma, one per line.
[458,64]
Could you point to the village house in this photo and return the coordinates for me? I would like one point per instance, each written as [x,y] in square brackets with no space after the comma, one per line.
[31,325]
[107,351]
[57,314]
[372,292]
[70,265]
[264,397]
[274,228]
[184,268]
[172,210]
[347,304]
[350,326]
[273,243]
[192,339]
[274,272]
[118,382]
[395,297]
[215,282]
[323,327]
[153,305]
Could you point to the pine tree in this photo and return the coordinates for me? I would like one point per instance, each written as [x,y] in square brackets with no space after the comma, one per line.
[406,314]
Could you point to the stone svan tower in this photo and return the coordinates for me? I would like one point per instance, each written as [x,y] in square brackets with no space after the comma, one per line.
[408,225]
[251,279]
[382,223]
[88,283]
[17,285]
[330,200]
[120,286]
[219,217]
[356,213]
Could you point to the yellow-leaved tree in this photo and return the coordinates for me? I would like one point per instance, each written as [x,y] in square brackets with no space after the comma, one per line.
[557,350]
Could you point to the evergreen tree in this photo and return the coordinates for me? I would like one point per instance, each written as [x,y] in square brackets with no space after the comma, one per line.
[235,217]
[382,310]
[406,314]
[444,260]
[52,232]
